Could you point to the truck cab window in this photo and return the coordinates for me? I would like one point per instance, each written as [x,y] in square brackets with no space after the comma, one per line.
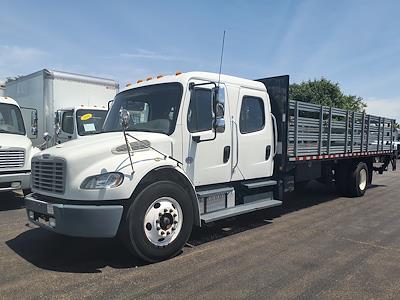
[252,117]
[68,122]
[11,120]
[200,116]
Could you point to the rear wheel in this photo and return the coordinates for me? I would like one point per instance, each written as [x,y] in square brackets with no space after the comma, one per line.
[358,181]
[159,221]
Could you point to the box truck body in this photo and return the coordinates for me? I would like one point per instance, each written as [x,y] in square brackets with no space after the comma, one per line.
[51,91]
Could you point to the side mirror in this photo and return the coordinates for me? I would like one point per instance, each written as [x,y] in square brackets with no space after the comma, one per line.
[219,109]
[34,122]
[219,101]
[220,125]
[125,117]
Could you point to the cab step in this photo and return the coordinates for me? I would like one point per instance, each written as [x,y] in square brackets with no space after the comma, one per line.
[254,184]
[239,209]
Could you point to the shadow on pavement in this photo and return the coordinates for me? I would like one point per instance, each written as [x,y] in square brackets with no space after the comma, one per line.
[50,251]
[11,201]
[54,252]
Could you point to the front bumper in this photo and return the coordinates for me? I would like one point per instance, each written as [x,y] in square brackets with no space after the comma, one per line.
[6,180]
[100,221]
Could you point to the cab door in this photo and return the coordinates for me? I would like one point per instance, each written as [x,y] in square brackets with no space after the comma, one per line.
[255,134]
[206,155]
[67,126]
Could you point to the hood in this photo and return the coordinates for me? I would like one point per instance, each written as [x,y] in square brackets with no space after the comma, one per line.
[91,149]
[17,142]
[8,140]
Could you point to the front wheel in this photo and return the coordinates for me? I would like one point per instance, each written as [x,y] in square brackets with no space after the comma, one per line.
[159,221]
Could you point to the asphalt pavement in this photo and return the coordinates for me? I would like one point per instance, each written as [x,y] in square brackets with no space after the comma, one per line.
[317,246]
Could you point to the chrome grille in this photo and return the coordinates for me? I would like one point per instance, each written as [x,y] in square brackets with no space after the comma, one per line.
[12,159]
[48,174]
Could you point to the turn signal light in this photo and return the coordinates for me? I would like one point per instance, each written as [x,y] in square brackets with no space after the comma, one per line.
[149,78]
[139,81]
[128,84]
[160,76]
[178,73]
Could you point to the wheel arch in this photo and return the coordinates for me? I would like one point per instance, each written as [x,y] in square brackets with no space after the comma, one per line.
[170,173]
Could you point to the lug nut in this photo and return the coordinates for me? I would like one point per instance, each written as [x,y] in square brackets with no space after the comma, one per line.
[162,232]
[165,210]
[157,221]
[173,228]
[158,228]
[175,222]
[171,210]
[168,232]
[174,215]
[160,214]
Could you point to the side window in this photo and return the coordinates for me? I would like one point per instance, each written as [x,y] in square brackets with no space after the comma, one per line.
[67,124]
[200,116]
[252,116]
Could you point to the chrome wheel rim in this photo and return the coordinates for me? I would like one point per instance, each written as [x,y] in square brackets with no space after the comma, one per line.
[363,179]
[163,221]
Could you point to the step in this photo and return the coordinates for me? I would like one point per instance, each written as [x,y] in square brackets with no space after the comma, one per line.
[211,192]
[253,184]
[239,209]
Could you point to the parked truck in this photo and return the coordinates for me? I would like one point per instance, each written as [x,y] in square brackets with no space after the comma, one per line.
[69,106]
[16,148]
[180,151]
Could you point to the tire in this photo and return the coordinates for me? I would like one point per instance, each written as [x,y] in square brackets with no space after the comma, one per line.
[158,222]
[358,181]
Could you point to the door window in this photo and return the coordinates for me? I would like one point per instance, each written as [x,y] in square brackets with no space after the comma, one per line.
[252,116]
[68,122]
[200,116]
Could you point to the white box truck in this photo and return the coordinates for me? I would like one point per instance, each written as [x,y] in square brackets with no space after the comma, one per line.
[179,151]
[68,105]
[16,148]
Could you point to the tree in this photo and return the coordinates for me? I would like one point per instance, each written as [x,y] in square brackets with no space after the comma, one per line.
[325,92]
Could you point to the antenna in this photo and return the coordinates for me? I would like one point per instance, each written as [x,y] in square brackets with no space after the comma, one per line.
[222,55]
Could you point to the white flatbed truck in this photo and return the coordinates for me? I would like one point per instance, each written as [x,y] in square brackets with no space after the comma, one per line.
[179,151]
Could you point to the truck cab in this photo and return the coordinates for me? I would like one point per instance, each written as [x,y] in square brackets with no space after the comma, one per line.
[77,122]
[16,148]
[187,143]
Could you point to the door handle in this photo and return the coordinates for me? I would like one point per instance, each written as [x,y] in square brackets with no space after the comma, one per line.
[227,153]
[267,152]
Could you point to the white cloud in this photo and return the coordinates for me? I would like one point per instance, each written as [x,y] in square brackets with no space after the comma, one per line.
[16,60]
[389,107]
[146,54]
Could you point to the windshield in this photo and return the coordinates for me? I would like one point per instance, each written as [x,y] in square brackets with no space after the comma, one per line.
[90,121]
[11,119]
[152,108]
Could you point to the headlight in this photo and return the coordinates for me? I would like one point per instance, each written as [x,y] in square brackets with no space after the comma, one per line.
[103,181]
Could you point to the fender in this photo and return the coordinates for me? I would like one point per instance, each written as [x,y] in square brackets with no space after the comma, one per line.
[172,172]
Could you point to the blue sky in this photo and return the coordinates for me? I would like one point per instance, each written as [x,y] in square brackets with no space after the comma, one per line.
[356,43]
